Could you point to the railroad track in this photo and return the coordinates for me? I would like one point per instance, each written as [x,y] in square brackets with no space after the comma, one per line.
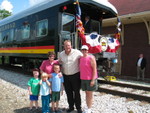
[125,89]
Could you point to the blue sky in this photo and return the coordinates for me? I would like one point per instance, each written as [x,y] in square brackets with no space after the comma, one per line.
[16,6]
[19,5]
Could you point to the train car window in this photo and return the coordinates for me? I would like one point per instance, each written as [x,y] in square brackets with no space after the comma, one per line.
[68,22]
[5,36]
[25,31]
[42,28]
[11,32]
[17,34]
[15,37]
[67,29]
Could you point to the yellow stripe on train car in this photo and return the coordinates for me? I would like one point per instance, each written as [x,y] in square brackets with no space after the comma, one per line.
[30,51]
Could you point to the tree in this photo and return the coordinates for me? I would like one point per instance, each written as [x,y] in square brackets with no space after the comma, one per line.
[4,13]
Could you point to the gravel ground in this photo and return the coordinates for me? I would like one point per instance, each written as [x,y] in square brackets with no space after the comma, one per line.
[14,98]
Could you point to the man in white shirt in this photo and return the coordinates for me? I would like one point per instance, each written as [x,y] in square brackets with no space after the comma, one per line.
[141,64]
[69,58]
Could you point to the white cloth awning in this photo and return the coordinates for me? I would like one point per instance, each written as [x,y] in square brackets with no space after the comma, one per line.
[102,3]
[107,4]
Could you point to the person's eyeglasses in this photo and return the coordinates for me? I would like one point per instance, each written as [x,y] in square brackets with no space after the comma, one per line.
[51,56]
[84,49]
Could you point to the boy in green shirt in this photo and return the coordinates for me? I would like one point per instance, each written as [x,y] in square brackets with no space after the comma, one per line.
[34,88]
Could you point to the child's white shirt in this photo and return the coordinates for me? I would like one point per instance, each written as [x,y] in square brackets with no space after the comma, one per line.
[44,89]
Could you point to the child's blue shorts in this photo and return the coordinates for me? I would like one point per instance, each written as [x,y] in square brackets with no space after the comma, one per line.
[34,97]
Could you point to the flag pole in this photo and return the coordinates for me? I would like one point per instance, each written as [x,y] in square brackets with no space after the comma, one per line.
[76,33]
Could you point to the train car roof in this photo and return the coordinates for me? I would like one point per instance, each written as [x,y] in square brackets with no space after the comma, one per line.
[50,3]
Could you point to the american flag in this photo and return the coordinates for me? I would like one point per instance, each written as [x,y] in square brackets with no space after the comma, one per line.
[92,43]
[79,23]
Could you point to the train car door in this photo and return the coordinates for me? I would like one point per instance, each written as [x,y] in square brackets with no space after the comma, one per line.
[67,30]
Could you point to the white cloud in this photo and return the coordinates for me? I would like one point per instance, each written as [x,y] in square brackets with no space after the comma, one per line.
[6,5]
[33,2]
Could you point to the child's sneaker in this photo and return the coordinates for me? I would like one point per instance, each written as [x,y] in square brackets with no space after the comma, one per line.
[85,110]
[89,111]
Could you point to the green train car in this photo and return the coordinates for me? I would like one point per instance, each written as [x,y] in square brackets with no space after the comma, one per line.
[27,37]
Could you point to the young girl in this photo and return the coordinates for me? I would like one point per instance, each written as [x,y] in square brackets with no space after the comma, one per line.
[57,85]
[45,92]
[33,88]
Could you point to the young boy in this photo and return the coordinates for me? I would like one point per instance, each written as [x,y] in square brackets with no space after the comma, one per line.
[33,88]
[45,92]
[57,86]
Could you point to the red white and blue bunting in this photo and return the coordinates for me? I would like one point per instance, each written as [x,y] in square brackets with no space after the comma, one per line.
[94,41]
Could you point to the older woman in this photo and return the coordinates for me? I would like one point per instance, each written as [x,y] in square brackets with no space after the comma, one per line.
[47,65]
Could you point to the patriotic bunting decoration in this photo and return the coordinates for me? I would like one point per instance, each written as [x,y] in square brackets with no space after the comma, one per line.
[96,46]
[113,44]
[109,44]
[117,35]
[92,41]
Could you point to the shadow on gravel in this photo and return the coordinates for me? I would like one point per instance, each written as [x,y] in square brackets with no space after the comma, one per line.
[27,110]
[15,76]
